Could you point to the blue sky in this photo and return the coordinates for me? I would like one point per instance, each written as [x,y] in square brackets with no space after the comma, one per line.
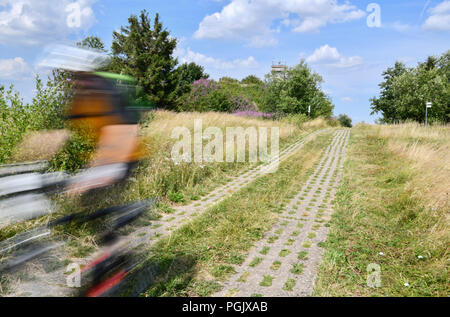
[341,40]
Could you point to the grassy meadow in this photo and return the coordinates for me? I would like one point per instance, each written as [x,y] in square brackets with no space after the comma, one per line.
[392,209]
[158,175]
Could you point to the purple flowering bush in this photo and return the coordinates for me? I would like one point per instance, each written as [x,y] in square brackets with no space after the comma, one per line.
[208,95]
[242,104]
[203,86]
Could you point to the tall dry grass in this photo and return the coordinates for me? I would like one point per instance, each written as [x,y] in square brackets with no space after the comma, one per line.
[161,175]
[165,121]
[316,124]
[391,209]
[428,149]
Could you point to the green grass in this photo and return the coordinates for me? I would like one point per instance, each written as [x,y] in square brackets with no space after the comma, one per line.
[267,281]
[204,245]
[255,262]
[232,292]
[236,258]
[378,209]
[243,278]
[176,197]
[297,268]
[275,265]
[290,242]
[289,285]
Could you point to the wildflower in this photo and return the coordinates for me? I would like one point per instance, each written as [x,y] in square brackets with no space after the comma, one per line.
[420,257]
[381,254]
[406,284]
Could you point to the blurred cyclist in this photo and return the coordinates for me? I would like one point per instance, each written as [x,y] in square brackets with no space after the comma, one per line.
[108,105]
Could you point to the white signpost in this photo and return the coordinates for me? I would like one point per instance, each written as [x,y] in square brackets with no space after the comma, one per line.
[429,105]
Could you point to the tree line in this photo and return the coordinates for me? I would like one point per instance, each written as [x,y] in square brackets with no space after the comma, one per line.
[145,50]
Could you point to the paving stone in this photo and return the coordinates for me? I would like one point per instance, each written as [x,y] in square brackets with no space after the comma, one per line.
[299,259]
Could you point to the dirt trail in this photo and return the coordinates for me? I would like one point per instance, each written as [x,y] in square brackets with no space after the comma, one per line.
[284,263]
[39,280]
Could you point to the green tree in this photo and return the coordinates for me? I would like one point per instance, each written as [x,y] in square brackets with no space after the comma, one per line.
[345,120]
[385,103]
[405,91]
[252,80]
[417,86]
[228,80]
[188,74]
[60,79]
[146,54]
[92,42]
[295,92]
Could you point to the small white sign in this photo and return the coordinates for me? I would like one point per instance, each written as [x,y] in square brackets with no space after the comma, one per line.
[429,104]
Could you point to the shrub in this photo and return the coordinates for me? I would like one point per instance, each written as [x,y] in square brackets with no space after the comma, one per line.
[219,101]
[17,118]
[75,154]
[204,96]
[176,197]
[345,120]
[14,121]
[240,103]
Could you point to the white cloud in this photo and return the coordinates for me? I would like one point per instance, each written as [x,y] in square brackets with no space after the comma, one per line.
[34,22]
[348,99]
[330,56]
[439,19]
[188,56]
[324,54]
[252,20]
[13,68]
